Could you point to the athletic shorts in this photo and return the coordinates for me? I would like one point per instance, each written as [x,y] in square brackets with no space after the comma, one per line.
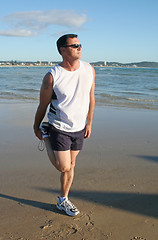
[62,141]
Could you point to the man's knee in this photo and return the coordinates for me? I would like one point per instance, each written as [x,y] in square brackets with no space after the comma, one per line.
[64,169]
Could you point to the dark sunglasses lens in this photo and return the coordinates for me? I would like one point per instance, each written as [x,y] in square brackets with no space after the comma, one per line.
[73,45]
[76,45]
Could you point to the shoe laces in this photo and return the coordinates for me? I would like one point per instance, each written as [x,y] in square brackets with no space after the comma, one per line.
[68,204]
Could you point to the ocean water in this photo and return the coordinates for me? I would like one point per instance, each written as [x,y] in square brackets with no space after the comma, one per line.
[117,87]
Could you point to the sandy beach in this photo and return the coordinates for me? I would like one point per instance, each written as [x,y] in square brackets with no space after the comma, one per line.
[115,186]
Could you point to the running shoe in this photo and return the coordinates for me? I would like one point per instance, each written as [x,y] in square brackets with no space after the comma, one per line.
[68,207]
[44,127]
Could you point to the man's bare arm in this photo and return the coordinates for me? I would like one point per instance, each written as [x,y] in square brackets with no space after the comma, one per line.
[91,109]
[45,98]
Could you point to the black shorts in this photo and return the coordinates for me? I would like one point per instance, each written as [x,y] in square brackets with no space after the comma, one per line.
[62,141]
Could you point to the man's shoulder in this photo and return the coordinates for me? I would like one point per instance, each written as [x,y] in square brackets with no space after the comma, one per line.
[55,70]
[87,65]
[84,62]
[48,78]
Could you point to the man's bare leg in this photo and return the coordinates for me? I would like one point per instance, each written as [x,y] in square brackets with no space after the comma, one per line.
[68,176]
[64,161]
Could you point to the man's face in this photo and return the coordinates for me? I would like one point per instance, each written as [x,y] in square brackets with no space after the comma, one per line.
[70,52]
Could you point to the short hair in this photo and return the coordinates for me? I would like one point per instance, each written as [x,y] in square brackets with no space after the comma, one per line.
[62,41]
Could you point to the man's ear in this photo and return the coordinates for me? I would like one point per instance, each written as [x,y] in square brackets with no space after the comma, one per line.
[62,49]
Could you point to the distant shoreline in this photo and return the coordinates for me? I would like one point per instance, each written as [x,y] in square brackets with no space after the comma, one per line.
[97,66]
[143,64]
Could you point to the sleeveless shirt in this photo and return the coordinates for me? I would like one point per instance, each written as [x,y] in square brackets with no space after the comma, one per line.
[70,101]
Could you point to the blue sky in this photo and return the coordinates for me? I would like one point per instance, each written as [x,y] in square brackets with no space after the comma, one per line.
[111,30]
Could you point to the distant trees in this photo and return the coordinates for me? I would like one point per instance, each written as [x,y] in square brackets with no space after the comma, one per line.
[14,62]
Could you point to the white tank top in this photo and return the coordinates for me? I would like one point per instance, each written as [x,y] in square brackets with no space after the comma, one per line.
[70,101]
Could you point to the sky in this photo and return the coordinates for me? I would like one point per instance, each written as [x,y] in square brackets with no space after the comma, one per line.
[109,30]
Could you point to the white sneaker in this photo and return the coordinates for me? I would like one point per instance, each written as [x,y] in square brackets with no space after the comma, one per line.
[68,207]
[44,127]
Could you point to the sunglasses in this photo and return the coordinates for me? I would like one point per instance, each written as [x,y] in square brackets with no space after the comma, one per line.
[73,45]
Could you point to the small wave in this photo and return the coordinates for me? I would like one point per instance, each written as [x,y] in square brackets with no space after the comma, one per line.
[11,96]
[133,93]
[143,100]
[105,69]
[111,97]
[27,90]
[126,104]
[154,89]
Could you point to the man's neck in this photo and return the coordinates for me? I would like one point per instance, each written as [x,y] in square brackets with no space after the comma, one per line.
[70,66]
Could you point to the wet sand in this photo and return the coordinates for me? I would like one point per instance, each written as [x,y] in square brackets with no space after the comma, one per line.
[115,186]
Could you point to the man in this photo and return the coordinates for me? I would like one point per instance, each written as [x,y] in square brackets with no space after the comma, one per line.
[69,89]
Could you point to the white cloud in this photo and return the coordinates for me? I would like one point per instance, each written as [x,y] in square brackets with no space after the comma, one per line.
[17,33]
[27,24]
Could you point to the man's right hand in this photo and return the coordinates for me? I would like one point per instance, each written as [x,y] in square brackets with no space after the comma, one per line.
[38,133]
